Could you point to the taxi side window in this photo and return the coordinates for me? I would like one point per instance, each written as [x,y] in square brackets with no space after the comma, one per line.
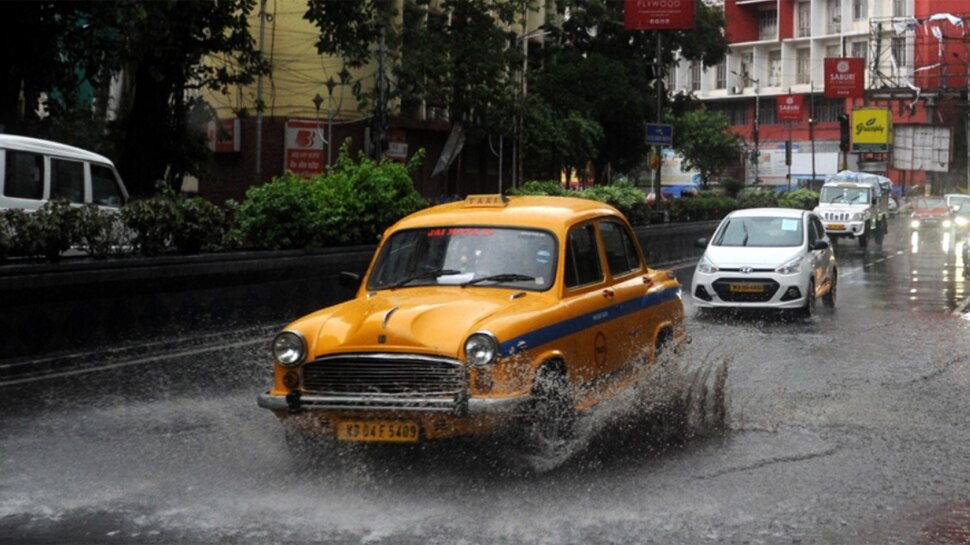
[582,257]
[67,180]
[621,254]
[24,175]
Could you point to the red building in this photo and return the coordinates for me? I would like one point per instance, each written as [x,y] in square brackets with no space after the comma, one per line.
[914,64]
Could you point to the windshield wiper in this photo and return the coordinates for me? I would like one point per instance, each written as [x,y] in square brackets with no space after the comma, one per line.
[507,277]
[744,227]
[420,276]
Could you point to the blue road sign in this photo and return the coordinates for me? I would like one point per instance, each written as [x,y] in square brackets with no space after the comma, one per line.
[660,134]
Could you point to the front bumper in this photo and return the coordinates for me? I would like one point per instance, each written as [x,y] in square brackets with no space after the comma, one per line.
[853,229]
[475,406]
[729,289]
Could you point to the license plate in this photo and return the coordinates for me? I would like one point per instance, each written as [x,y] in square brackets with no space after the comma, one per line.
[747,288]
[392,431]
[836,227]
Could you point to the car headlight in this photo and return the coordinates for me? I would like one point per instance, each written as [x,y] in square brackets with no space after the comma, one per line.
[791,266]
[289,348]
[946,223]
[481,349]
[857,216]
[962,221]
[705,266]
[914,224]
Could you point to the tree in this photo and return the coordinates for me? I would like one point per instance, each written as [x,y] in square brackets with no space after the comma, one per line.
[160,52]
[460,58]
[705,141]
[593,61]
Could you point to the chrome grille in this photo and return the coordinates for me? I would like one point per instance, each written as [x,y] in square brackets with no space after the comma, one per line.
[836,216]
[385,381]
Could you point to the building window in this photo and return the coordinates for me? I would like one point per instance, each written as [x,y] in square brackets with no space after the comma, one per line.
[736,112]
[747,64]
[860,9]
[695,76]
[720,75]
[774,68]
[828,109]
[833,12]
[671,82]
[803,65]
[861,49]
[804,19]
[833,51]
[766,112]
[768,24]
[899,8]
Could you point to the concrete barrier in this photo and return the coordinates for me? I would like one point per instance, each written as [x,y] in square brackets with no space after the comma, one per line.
[84,304]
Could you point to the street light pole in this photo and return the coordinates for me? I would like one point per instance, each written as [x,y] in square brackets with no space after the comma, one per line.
[317,101]
[330,85]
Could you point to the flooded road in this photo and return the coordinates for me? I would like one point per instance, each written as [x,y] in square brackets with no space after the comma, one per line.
[850,428]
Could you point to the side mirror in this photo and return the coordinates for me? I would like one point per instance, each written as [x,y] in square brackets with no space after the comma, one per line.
[350,280]
[821,244]
[700,243]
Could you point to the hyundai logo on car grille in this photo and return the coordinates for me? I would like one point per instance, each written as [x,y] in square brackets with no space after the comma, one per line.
[746,270]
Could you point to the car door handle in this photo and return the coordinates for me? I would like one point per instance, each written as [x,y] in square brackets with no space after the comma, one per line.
[608,293]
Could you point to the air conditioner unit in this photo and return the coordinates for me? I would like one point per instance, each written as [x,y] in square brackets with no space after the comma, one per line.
[736,89]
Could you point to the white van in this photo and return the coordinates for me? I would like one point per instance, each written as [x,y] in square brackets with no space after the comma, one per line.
[34,171]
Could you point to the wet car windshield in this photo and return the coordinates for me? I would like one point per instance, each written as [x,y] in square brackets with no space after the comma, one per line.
[930,203]
[844,195]
[763,231]
[466,256]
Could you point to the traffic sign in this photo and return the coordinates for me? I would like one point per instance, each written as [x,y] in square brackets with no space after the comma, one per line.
[660,134]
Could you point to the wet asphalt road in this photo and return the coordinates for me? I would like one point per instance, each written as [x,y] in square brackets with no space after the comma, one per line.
[849,428]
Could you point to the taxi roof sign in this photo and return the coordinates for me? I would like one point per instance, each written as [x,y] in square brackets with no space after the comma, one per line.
[486,201]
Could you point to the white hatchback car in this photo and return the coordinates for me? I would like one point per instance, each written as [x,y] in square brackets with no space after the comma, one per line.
[767,258]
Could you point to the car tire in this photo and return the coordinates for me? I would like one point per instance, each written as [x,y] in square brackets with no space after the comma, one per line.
[809,309]
[829,298]
[550,422]
[864,239]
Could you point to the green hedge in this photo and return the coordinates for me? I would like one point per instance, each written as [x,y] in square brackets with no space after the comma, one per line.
[352,204]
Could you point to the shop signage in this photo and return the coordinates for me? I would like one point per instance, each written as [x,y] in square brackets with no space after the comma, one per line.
[845,77]
[872,129]
[304,148]
[658,14]
[789,108]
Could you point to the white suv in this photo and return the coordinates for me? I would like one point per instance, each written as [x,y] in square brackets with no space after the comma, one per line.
[772,258]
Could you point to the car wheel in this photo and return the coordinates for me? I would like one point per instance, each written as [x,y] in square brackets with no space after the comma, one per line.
[829,298]
[550,422]
[809,309]
[864,239]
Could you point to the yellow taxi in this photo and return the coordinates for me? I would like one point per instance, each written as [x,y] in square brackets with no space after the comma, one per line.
[489,315]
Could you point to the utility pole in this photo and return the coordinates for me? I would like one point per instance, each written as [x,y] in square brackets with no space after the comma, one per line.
[658,75]
[259,95]
[811,123]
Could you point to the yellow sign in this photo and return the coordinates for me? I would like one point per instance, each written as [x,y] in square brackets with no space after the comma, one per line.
[872,129]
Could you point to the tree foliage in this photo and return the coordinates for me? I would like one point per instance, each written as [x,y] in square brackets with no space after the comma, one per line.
[159,51]
[706,143]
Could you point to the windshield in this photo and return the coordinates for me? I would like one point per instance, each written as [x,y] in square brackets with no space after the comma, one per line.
[930,203]
[766,232]
[844,195]
[467,256]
